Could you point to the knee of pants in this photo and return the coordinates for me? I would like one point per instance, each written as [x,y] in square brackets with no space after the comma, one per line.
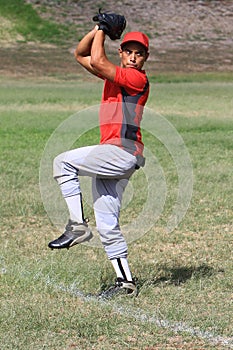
[58,165]
[106,222]
[62,168]
[109,231]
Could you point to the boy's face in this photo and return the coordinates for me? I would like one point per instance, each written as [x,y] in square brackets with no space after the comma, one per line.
[133,55]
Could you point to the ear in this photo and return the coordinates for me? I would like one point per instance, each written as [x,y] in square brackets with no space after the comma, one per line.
[120,51]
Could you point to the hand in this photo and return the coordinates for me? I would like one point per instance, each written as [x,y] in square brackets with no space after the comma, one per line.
[112,24]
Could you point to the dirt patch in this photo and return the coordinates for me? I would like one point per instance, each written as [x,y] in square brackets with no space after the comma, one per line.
[185,36]
[37,60]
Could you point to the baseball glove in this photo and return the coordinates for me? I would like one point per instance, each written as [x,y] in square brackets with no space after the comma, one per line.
[112,24]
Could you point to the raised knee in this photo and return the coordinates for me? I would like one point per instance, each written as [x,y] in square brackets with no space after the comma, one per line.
[58,164]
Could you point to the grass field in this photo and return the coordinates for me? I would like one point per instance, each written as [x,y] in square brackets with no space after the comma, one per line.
[185,276]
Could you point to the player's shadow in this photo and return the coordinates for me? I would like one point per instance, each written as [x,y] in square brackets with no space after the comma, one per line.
[181,274]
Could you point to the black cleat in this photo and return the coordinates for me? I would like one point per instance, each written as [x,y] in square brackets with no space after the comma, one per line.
[75,233]
[121,286]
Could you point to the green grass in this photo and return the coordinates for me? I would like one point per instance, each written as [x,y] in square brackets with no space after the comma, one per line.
[184,276]
[31,27]
[203,77]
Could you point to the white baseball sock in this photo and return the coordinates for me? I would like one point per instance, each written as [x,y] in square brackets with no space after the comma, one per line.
[121,268]
[75,207]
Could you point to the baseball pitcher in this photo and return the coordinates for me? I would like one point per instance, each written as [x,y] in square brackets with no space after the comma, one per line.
[119,154]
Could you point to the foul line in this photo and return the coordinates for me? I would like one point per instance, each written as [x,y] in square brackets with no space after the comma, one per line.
[140,315]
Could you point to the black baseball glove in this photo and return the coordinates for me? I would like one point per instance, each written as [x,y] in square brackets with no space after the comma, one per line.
[111,23]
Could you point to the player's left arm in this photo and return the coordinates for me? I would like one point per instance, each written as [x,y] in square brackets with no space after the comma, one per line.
[99,60]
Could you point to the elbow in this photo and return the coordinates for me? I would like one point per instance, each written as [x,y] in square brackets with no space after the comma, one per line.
[77,56]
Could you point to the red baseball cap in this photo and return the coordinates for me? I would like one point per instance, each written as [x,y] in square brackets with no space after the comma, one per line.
[136,36]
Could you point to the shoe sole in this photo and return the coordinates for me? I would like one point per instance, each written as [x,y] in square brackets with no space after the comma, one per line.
[122,292]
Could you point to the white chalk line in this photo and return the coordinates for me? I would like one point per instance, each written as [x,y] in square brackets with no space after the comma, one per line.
[142,316]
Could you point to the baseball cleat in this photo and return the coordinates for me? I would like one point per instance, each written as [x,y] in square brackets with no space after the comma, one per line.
[122,287]
[75,233]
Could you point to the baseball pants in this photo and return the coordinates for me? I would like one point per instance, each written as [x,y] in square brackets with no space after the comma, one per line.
[110,168]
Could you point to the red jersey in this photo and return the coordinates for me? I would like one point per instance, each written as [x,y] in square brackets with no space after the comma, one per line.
[121,109]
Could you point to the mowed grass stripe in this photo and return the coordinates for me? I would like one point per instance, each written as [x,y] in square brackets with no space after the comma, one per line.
[143,316]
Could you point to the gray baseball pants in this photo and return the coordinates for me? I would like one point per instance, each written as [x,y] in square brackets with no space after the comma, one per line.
[110,168]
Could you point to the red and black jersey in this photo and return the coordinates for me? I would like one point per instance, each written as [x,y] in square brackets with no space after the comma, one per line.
[121,109]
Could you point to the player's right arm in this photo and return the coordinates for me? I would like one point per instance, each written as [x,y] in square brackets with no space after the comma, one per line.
[83,51]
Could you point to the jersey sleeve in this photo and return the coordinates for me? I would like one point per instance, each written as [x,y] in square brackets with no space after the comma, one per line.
[131,79]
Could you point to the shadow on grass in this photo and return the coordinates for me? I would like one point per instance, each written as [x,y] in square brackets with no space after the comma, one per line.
[181,274]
